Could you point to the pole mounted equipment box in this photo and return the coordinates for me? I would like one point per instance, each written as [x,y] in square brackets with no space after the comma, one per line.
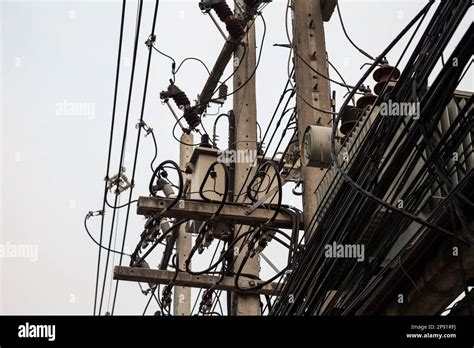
[316,150]
[212,189]
[201,159]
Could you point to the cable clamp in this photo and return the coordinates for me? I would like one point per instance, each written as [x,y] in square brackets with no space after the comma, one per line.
[151,40]
[95,213]
[142,124]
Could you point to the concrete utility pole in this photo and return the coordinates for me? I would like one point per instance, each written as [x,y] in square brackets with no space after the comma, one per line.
[182,295]
[245,109]
[310,47]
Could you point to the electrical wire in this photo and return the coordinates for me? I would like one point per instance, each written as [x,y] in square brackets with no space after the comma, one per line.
[337,221]
[141,122]
[348,37]
[337,164]
[173,64]
[257,63]
[95,241]
[122,152]
[117,75]
[293,49]
[195,59]
[121,206]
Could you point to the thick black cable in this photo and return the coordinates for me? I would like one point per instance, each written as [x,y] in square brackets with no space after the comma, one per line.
[134,263]
[124,139]
[156,151]
[141,122]
[117,74]
[348,37]
[195,59]
[121,206]
[96,242]
[226,186]
[334,218]
[337,164]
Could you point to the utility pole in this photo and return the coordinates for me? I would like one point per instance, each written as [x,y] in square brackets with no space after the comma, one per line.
[182,294]
[245,298]
[245,110]
[312,90]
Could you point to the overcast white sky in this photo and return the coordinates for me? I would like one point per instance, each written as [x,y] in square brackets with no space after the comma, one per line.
[52,165]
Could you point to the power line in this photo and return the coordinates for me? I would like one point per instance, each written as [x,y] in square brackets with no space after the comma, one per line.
[142,112]
[353,181]
[122,152]
[347,210]
[117,74]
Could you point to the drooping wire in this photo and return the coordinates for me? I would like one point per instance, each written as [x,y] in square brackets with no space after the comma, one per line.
[348,37]
[95,241]
[194,59]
